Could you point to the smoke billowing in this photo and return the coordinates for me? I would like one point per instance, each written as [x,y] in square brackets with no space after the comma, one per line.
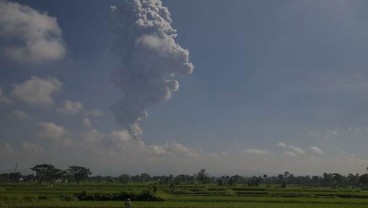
[150,59]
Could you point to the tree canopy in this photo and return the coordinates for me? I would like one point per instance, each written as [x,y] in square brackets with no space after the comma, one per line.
[46,172]
[79,173]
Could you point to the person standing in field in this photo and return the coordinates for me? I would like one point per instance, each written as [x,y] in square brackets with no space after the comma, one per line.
[127,203]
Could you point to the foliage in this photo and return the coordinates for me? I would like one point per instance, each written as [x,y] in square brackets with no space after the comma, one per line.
[122,196]
[363,179]
[203,177]
[79,173]
[185,196]
[199,190]
[14,177]
[46,172]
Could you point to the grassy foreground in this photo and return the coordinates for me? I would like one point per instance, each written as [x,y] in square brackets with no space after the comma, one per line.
[185,196]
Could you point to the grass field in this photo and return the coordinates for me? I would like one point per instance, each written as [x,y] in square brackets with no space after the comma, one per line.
[186,196]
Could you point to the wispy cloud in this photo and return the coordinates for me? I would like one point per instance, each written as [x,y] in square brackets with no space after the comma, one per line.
[316,150]
[70,108]
[281,144]
[255,151]
[291,149]
[95,113]
[330,133]
[291,154]
[296,149]
[19,115]
[87,122]
[32,148]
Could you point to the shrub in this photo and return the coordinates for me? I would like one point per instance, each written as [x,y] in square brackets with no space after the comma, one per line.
[42,197]
[122,196]
[68,198]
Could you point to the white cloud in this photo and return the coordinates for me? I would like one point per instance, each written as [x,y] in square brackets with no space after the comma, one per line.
[291,154]
[92,136]
[20,115]
[37,91]
[291,149]
[3,98]
[112,8]
[256,151]
[316,150]
[32,148]
[119,143]
[109,153]
[95,113]
[219,155]
[51,131]
[350,129]
[27,35]
[120,136]
[281,144]
[297,149]
[331,133]
[71,108]
[87,122]
[173,147]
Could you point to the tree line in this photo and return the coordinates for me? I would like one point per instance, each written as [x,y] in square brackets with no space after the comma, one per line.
[333,180]
[47,173]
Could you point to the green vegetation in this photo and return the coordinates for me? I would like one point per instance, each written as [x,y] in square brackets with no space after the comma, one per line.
[73,188]
[192,196]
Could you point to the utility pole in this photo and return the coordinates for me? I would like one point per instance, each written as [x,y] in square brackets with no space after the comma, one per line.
[16,167]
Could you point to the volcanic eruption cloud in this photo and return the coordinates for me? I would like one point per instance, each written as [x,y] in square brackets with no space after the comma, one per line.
[144,40]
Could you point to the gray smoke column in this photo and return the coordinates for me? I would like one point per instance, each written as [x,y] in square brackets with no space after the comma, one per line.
[150,59]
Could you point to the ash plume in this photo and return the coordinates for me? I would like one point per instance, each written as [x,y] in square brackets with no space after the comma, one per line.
[144,40]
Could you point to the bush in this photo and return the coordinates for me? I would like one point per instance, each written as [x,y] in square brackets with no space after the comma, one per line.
[122,196]
[42,197]
[68,198]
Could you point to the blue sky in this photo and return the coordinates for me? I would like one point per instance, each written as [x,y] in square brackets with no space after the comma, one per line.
[278,85]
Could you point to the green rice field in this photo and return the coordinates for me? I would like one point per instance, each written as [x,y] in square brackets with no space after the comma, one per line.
[184,196]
